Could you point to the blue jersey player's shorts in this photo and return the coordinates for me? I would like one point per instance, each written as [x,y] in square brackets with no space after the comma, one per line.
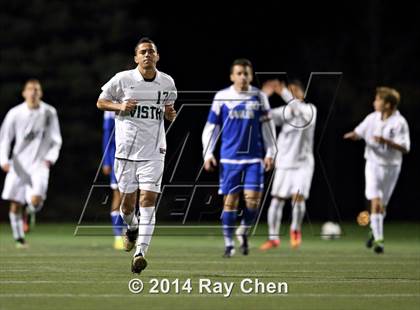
[238,177]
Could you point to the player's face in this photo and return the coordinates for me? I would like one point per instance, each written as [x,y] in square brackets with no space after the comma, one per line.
[146,56]
[241,77]
[32,92]
[378,104]
[296,91]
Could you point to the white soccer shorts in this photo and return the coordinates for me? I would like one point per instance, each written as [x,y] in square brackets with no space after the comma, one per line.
[20,185]
[292,181]
[143,175]
[380,181]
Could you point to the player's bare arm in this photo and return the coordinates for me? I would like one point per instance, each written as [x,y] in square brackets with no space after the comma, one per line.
[170,112]
[391,144]
[351,136]
[108,105]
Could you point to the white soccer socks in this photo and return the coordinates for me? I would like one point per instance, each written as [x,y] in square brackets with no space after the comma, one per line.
[16,222]
[274,216]
[377,226]
[130,219]
[298,214]
[146,228]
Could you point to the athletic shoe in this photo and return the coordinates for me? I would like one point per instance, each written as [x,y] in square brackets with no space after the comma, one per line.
[229,252]
[270,244]
[369,242]
[295,238]
[119,243]
[378,247]
[138,264]
[130,238]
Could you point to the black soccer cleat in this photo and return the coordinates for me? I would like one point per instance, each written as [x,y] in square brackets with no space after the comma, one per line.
[138,264]
[130,239]
[369,242]
[229,252]
[378,247]
[244,248]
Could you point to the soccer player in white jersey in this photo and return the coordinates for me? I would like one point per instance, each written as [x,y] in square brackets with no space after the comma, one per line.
[240,113]
[294,161]
[34,128]
[141,98]
[387,138]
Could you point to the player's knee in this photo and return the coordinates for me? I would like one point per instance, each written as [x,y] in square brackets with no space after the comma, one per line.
[252,200]
[128,203]
[298,198]
[147,200]
[15,207]
[231,202]
[36,200]
[376,206]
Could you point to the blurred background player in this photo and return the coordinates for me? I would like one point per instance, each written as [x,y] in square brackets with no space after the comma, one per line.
[241,112]
[140,96]
[294,161]
[108,148]
[34,128]
[387,138]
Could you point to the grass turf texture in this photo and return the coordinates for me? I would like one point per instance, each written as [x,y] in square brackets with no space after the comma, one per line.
[61,271]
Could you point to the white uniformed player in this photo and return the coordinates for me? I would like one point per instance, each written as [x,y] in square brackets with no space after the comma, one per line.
[141,97]
[34,128]
[387,138]
[294,161]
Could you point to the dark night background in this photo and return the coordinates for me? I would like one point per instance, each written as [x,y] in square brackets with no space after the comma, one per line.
[74,47]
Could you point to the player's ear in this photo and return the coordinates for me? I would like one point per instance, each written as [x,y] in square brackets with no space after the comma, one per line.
[231,78]
[157,57]
[135,59]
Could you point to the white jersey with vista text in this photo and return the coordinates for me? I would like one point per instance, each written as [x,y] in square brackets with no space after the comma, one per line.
[36,133]
[140,134]
[295,141]
[394,128]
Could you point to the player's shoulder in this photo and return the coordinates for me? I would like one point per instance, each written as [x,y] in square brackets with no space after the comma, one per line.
[16,110]
[49,107]
[126,74]
[400,118]
[373,116]
[166,78]
[224,93]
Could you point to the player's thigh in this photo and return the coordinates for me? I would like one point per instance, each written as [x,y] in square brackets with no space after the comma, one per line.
[231,201]
[390,181]
[149,175]
[231,176]
[254,177]
[14,188]
[37,192]
[125,172]
[373,181]
[252,198]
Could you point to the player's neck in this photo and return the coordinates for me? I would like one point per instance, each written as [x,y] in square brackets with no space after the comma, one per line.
[33,104]
[147,74]
[240,89]
[386,114]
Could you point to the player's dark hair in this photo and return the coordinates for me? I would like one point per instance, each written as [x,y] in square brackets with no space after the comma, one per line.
[144,40]
[241,62]
[31,81]
[388,95]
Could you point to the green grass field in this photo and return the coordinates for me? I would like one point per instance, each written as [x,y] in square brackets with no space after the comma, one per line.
[61,271]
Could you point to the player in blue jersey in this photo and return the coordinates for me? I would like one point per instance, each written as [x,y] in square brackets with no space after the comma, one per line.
[239,116]
[108,147]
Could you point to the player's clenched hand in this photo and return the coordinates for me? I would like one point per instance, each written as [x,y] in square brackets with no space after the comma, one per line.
[5,167]
[170,112]
[128,106]
[106,170]
[268,163]
[351,135]
[210,163]
[380,140]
